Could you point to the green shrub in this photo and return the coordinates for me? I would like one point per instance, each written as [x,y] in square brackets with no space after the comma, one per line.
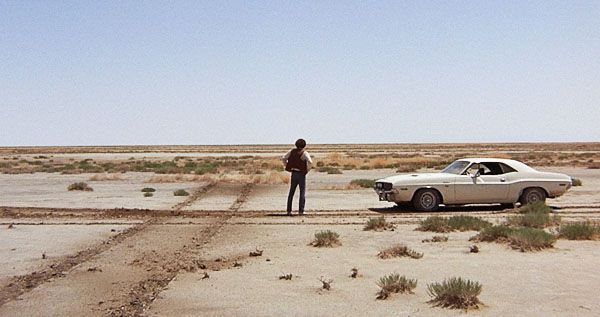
[455,292]
[399,250]
[536,207]
[181,192]
[435,224]
[364,183]
[148,194]
[394,283]
[460,223]
[326,238]
[534,220]
[466,223]
[497,233]
[579,231]
[377,224]
[80,186]
[148,190]
[530,239]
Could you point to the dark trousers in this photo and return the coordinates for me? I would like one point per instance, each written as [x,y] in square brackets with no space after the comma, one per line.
[298,179]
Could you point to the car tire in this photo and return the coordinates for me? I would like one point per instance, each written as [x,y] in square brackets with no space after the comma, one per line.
[532,195]
[426,200]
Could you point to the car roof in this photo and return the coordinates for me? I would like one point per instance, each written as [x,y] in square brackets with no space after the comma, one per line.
[519,166]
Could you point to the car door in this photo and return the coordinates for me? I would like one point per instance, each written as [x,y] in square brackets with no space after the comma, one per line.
[481,184]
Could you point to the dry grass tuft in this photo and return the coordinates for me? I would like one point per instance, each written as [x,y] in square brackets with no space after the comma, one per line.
[399,250]
[106,177]
[286,277]
[530,239]
[181,192]
[460,223]
[326,238]
[256,252]
[378,224]
[579,231]
[436,239]
[326,283]
[80,186]
[354,272]
[394,283]
[455,293]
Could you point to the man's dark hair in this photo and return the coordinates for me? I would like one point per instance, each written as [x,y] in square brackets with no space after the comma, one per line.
[300,143]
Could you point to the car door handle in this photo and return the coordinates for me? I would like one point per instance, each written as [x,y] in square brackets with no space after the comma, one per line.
[503,180]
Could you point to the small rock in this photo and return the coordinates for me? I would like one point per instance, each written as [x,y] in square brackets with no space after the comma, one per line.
[205,276]
[474,249]
[237,264]
[11,226]
[268,260]
[43,255]
[113,230]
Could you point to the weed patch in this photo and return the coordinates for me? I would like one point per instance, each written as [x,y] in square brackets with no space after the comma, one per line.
[579,231]
[80,186]
[326,238]
[378,224]
[399,250]
[460,223]
[181,192]
[530,239]
[363,183]
[394,283]
[436,239]
[455,292]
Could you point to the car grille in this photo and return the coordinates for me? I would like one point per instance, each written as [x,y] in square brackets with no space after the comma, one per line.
[383,185]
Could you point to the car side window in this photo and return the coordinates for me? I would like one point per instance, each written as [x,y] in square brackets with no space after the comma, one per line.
[476,167]
[492,168]
[507,169]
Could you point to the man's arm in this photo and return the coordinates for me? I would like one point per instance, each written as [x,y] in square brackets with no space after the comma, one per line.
[285,158]
[308,160]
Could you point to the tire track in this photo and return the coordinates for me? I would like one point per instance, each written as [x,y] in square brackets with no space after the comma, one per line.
[242,198]
[197,193]
[19,285]
[186,258]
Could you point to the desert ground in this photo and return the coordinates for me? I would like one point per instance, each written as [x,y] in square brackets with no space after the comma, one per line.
[114,252]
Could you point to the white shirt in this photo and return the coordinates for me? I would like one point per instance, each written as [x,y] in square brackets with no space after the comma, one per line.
[305,157]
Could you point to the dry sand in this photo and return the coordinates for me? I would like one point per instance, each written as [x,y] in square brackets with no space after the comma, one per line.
[153,262]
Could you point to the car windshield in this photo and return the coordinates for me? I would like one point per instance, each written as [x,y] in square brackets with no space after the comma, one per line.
[456,167]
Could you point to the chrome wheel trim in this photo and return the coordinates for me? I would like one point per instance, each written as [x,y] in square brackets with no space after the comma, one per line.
[427,200]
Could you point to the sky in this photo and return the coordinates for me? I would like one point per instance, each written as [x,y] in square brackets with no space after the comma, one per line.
[263,72]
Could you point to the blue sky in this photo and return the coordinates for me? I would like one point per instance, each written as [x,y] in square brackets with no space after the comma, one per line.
[235,72]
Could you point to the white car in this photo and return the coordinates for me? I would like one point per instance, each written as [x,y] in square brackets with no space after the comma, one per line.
[473,181]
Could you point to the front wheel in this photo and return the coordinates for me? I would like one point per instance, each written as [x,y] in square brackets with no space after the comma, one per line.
[532,195]
[426,200]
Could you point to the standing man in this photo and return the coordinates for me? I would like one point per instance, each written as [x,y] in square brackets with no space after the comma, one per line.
[298,162]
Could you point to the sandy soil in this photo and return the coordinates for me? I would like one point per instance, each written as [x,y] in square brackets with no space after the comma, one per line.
[514,283]
[154,261]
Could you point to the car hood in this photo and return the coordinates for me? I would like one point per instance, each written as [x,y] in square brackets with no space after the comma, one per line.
[418,178]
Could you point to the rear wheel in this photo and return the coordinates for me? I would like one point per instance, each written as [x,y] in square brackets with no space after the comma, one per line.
[426,200]
[532,195]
